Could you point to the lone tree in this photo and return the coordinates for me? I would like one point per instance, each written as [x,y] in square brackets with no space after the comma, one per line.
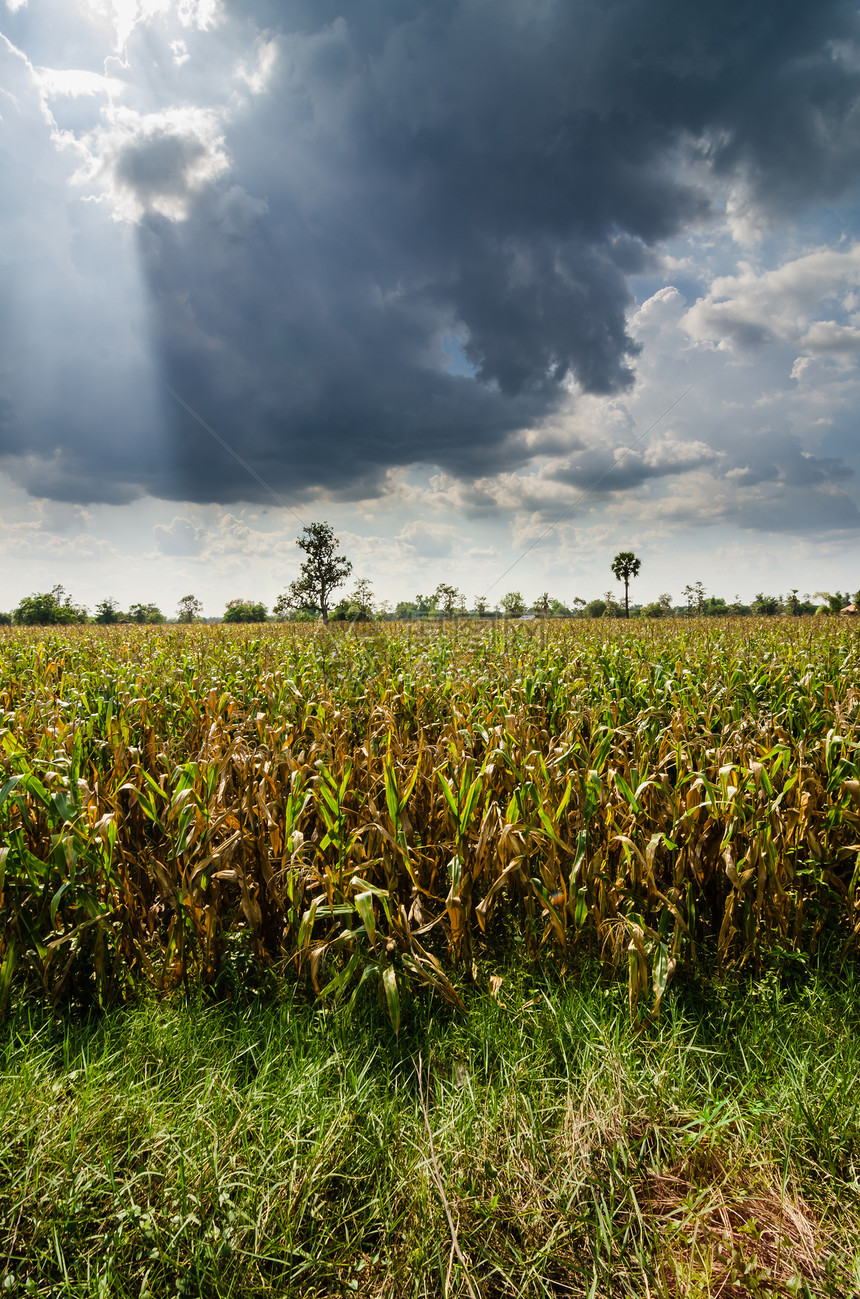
[625,565]
[446,597]
[189,608]
[322,572]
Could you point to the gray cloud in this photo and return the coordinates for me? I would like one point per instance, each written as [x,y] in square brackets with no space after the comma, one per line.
[158,165]
[388,176]
[626,470]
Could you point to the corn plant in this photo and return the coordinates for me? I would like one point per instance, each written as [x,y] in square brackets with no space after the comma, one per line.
[379,809]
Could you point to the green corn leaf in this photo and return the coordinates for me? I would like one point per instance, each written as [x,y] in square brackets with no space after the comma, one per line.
[364,907]
[7,969]
[7,789]
[450,797]
[470,802]
[343,978]
[391,795]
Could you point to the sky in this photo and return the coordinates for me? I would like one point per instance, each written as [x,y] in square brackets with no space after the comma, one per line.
[496,287]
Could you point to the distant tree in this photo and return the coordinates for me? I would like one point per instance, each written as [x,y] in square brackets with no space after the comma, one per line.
[766,606]
[108,610]
[625,565]
[321,573]
[5,619]
[447,597]
[594,609]
[513,605]
[665,602]
[834,600]
[244,611]
[286,609]
[46,608]
[145,613]
[610,608]
[694,597]
[356,607]
[425,605]
[542,605]
[577,606]
[362,598]
[189,608]
[715,607]
[405,610]
[481,606]
[654,610]
[557,609]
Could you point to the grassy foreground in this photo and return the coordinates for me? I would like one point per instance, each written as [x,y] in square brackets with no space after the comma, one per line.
[282,1148]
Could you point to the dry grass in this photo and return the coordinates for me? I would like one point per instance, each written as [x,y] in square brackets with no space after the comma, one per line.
[730,1239]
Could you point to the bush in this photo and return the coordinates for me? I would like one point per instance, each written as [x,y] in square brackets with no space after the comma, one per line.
[245,611]
[47,608]
[145,613]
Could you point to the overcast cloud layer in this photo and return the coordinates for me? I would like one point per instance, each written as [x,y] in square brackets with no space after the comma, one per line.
[361,237]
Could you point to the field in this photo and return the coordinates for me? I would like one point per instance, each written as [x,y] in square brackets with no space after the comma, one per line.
[394,805]
[396,832]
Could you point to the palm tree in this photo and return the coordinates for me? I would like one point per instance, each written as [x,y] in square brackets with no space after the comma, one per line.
[625,565]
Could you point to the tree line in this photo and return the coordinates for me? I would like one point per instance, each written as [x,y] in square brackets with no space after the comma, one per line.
[324,571]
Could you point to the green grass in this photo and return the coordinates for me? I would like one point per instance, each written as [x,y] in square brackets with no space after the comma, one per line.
[281,1149]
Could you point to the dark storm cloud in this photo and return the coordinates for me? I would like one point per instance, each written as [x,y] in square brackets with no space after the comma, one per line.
[416,172]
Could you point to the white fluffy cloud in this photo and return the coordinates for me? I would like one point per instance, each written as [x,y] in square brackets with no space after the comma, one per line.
[752,308]
[123,16]
[179,537]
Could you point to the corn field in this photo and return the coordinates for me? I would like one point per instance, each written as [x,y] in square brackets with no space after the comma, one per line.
[402,806]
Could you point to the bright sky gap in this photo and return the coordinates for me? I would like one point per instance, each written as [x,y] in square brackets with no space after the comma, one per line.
[593,487]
